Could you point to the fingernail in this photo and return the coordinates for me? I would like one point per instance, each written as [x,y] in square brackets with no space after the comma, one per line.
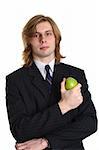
[44,143]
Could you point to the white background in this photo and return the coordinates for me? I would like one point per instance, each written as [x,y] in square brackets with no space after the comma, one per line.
[78,21]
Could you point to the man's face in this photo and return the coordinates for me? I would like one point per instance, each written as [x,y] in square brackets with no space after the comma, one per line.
[43,42]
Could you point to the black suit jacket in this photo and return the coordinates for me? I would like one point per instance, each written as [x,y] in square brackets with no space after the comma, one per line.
[33,113]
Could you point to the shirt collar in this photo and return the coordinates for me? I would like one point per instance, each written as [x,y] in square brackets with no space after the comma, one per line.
[41,66]
[51,64]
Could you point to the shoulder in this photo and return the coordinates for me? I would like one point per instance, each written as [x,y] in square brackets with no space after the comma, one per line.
[17,73]
[69,70]
[68,67]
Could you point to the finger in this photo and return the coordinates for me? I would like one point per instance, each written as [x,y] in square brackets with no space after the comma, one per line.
[24,143]
[63,85]
[44,143]
[77,87]
[20,146]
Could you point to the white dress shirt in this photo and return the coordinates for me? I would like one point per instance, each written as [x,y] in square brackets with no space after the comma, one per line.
[41,66]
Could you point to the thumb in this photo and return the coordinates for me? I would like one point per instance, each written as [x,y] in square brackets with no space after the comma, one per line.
[44,144]
[63,85]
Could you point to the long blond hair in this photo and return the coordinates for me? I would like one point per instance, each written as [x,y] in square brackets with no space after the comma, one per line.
[27,33]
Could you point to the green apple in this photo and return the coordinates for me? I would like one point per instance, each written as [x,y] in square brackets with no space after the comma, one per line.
[70,83]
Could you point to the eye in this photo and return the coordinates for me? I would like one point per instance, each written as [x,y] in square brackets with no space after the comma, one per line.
[49,33]
[36,35]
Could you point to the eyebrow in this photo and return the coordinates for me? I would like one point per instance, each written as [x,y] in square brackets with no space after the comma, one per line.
[45,31]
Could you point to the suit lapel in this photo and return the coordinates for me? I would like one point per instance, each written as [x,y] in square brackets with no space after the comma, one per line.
[60,71]
[38,80]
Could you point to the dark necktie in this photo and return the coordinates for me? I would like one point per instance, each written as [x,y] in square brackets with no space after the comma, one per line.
[48,76]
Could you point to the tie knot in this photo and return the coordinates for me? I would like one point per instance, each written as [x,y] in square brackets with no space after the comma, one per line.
[47,68]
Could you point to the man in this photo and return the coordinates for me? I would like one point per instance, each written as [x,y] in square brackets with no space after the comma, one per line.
[42,113]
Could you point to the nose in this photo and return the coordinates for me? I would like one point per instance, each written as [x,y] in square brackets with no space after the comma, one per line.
[42,39]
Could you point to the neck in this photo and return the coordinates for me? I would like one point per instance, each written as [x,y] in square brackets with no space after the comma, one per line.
[45,60]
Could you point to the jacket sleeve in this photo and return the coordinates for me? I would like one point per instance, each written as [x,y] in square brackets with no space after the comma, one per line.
[24,126]
[85,123]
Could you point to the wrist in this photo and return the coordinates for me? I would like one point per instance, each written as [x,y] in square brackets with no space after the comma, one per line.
[63,107]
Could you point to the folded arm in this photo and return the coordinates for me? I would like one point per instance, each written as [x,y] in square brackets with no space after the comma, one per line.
[25,126]
[85,123]
[80,121]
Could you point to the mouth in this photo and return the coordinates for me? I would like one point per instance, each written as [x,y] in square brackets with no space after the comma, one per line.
[44,47]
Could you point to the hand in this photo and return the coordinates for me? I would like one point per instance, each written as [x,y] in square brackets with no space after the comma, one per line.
[34,144]
[70,99]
